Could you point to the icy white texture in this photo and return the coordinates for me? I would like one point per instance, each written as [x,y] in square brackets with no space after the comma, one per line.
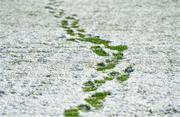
[41,74]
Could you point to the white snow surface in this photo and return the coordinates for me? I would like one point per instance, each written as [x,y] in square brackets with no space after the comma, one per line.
[41,73]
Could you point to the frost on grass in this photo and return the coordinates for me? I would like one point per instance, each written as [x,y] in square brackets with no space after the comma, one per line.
[70,25]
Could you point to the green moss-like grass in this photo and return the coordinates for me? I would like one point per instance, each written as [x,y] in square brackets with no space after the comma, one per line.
[118,47]
[99,51]
[89,86]
[64,24]
[71,39]
[80,35]
[74,24]
[118,55]
[99,82]
[122,77]
[70,32]
[96,40]
[70,18]
[105,66]
[92,85]
[108,78]
[96,99]
[71,113]
[80,30]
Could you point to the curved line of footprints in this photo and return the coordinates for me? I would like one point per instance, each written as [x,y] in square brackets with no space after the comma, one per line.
[75,33]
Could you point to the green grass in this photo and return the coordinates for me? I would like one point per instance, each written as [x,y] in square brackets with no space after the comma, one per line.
[71,39]
[96,99]
[84,107]
[80,30]
[118,55]
[118,47]
[64,24]
[99,82]
[96,40]
[80,35]
[112,75]
[122,77]
[71,113]
[70,18]
[89,86]
[92,85]
[70,32]
[105,66]
[99,51]
[108,78]
[74,24]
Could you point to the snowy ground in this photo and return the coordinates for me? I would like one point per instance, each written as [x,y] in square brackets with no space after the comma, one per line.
[41,74]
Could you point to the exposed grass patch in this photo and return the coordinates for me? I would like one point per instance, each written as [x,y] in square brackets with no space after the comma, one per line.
[71,113]
[108,78]
[64,24]
[118,47]
[92,85]
[74,24]
[84,107]
[80,35]
[118,55]
[71,39]
[96,99]
[80,30]
[122,77]
[112,75]
[70,18]
[70,32]
[105,66]
[99,82]
[89,86]
[99,51]
[96,40]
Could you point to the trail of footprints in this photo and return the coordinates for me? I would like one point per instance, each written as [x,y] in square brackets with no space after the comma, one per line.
[77,34]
